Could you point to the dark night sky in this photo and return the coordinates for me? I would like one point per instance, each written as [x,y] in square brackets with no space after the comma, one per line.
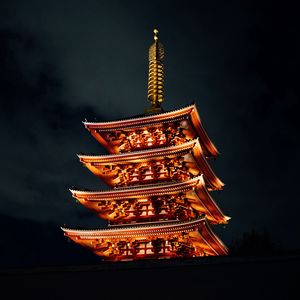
[64,61]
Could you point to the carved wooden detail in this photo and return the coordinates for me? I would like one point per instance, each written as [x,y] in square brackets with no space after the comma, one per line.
[172,207]
[163,135]
[179,245]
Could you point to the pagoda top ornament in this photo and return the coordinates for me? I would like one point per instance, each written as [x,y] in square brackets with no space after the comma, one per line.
[156,76]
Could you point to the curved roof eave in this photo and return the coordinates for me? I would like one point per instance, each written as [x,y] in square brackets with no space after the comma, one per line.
[141,120]
[162,225]
[137,190]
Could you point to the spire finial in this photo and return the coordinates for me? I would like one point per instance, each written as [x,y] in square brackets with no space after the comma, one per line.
[155,34]
[156,75]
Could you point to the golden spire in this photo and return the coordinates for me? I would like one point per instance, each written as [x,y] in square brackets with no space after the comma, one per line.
[156,76]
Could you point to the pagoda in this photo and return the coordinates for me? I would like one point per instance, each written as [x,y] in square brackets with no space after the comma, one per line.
[159,204]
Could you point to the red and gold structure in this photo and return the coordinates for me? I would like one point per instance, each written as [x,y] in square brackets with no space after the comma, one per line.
[160,203]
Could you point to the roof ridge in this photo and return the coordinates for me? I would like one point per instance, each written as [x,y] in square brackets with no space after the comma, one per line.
[142,116]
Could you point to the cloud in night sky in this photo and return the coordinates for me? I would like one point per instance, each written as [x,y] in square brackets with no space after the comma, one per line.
[39,131]
[64,61]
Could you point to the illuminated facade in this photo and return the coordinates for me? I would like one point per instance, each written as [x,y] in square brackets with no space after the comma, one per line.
[160,203]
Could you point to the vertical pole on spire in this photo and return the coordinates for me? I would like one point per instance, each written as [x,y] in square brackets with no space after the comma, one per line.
[156,76]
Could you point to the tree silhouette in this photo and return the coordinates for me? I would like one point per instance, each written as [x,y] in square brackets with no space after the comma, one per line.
[253,243]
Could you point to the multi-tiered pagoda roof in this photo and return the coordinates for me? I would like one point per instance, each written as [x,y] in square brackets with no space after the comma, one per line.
[160,203]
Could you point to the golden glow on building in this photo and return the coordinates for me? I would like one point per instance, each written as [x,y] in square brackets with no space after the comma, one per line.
[179,163]
[170,239]
[177,127]
[183,200]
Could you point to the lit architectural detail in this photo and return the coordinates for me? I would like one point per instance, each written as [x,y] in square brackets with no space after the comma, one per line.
[165,129]
[182,200]
[160,203]
[179,163]
[169,239]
